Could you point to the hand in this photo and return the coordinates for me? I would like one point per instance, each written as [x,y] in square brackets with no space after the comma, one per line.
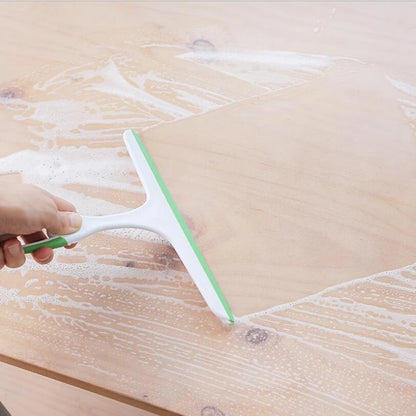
[25,210]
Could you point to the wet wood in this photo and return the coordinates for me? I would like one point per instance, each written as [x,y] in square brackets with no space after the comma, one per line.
[292,159]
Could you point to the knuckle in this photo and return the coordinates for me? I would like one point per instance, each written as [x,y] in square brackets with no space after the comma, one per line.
[49,218]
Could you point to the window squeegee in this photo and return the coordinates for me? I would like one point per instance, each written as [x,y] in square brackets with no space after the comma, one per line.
[159,214]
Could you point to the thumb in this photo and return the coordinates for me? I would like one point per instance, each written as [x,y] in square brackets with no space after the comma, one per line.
[65,223]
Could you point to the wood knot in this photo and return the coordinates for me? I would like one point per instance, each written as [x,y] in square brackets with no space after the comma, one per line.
[189,222]
[211,411]
[202,45]
[10,93]
[196,226]
[74,78]
[256,336]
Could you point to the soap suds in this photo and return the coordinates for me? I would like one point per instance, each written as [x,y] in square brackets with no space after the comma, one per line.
[408,104]
[278,60]
[402,86]
[72,111]
[30,282]
[91,104]
[359,300]
[269,69]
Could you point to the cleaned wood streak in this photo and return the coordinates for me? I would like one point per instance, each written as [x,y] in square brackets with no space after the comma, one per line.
[286,133]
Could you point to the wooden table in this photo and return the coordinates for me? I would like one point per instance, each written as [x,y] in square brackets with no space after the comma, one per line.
[27,393]
[286,133]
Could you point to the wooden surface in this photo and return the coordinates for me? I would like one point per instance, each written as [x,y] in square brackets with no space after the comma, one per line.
[286,133]
[26,393]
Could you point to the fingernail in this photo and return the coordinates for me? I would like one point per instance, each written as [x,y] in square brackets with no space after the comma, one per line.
[47,257]
[75,220]
[14,249]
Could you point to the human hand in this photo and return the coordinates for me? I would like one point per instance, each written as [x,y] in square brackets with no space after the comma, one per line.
[25,210]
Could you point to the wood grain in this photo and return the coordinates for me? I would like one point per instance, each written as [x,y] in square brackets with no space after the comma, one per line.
[292,158]
[24,392]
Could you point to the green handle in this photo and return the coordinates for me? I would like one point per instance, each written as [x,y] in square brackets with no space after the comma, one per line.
[52,243]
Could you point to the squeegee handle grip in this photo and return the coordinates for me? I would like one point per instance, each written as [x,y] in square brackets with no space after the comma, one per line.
[52,242]
[138,218]
[56,241]
[89,225]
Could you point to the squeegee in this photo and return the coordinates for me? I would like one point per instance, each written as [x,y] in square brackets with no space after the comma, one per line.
[159,214]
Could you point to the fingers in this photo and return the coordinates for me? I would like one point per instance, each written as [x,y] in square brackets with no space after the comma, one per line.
[11,251]
[65,206]
[65,223]
[62,204]
[55,214]
[71,245]
[13,254]
[5,237]
[42,255]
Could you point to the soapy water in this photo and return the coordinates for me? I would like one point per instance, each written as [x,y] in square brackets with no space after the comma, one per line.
[408,104]
[89,106]
[91,102]
[270,69]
